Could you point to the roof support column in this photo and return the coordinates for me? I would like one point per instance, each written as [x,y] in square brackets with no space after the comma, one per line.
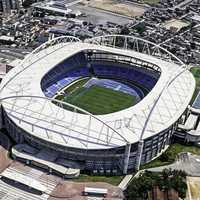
[1,117]
[139,154]
[126,157]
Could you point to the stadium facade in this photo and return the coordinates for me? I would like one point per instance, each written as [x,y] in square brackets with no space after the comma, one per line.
[112,143]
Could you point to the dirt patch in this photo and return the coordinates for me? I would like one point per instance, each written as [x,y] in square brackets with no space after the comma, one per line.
[175,23]
[193,188]
[116,6]
[68,190]
[5,161]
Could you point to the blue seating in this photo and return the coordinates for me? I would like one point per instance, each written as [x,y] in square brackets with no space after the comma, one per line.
[126,73]
[63,82]
[75,67]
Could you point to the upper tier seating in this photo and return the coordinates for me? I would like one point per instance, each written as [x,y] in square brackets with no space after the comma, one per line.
[75,67]
[130,74]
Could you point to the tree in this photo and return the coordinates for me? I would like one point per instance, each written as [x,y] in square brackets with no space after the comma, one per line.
[179,185]
[140,28]
[166,180]
[125,31]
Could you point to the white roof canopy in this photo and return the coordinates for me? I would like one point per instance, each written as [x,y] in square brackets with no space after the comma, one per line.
[40,117]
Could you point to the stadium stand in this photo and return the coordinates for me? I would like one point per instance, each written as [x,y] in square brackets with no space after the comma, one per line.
[75,67]
[196,103]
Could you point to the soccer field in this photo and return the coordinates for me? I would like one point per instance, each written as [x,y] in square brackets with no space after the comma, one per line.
[100,100]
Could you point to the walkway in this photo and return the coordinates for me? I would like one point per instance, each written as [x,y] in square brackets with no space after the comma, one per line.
[124,183]
[187,162]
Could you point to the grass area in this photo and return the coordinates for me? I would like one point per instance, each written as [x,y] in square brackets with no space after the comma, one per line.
[196,73]
[170,154]
[151,1]
[114,180]
[70,89]
[100,100]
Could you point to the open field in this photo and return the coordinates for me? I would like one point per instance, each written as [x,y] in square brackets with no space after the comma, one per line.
[116,6]
[99,100]
[170,154]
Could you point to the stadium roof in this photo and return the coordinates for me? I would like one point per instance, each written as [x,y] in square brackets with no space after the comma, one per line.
[40,117]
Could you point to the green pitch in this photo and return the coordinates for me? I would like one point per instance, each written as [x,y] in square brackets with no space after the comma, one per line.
[99,100]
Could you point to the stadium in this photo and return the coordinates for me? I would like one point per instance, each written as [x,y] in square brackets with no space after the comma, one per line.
[103,105]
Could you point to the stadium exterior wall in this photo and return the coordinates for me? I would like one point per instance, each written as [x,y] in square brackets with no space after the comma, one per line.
[111,160]
[131,153]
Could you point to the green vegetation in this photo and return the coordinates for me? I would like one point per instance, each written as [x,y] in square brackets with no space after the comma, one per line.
[170,154]
[196,72]
[99,100]
[114,180]
[151,1]
[140,187]
[78,84]
[140,28]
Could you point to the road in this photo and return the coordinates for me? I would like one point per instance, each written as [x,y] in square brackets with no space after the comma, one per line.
[182,4]
[11,53]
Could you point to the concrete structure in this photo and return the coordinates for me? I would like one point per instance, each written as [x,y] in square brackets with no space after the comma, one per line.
[25,180]
[116,142]
[44,159]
